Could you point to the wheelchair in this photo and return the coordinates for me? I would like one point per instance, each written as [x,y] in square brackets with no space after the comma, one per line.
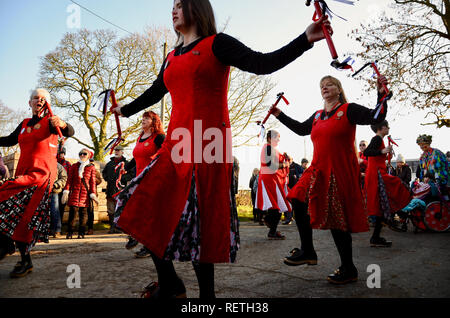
[434,217]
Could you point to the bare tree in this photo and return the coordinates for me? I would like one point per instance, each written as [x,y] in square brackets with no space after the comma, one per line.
[88,62]
[9,120]
[414,48]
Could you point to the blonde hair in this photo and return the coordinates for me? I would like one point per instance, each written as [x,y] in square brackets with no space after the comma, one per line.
[335,81]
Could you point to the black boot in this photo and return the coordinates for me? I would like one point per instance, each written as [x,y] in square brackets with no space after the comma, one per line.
[343,275]
[25,266]
[21,269]
[7,246]
[131,243]
[300,257]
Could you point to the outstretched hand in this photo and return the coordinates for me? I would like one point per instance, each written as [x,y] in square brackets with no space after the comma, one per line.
[380,81]
[275,111]
[57,122]
[314,31]
[117,110]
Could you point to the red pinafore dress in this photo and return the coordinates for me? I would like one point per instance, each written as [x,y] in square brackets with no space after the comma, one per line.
[191,172]
[24,201]
[272,185]
[143,152]
[331,185]
[386,194]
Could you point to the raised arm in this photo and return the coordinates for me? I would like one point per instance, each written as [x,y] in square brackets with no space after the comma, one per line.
[302,129]
[232,52]
[12,139]
[150,97]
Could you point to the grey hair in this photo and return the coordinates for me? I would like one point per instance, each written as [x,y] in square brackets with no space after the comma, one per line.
[42,90]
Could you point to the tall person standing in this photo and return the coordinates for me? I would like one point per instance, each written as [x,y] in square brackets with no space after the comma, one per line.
[188,214]
[328,195]
[24,201]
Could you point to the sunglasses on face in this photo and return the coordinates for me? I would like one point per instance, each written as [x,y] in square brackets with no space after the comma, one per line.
[82,154]
[361,145]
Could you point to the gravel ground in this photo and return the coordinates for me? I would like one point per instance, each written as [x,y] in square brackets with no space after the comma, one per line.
[417,265]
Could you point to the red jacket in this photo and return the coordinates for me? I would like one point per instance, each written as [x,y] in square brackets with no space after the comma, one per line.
[79,196]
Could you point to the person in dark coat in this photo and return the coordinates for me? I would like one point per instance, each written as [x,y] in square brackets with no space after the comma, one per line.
[253,185]
[403,171]
[110,175]
[295,172]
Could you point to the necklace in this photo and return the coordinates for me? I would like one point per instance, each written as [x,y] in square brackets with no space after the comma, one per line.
[327,113]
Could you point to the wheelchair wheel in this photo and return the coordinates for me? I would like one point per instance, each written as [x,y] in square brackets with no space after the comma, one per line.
[436,216]
[417,216]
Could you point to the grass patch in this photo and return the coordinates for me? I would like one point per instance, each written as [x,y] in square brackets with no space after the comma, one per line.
[245,213]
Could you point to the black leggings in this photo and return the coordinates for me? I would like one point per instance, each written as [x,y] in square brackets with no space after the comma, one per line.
[303,225]
[343,240]
[170,283]
[273,218]
[81,220]
[23,251]
[378,227]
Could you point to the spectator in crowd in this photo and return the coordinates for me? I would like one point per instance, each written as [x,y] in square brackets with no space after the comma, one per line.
[362,160]
[253,184]
[433,161]
[403,171]
[58,186]
[304,164]
[90,210]
[80,190]
[66,164]
[4,172]
[110,175]
[295,172]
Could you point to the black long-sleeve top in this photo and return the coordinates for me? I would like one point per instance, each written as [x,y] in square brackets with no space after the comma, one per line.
[228,51]
[13,138]
[373,149]
[356,114]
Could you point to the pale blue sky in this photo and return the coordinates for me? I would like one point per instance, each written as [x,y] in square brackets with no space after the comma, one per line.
[30,29]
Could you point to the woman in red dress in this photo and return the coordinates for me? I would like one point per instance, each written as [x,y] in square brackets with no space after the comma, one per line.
[186,188]
[149,142]
[328,194]
[272,187]
[24,200]
[386,194]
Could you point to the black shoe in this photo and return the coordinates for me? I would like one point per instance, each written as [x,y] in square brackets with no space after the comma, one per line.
[153,290]
[398,225]
[80,236]
[299,257]
[276,236]
[69,235]
[143,253]
[114,230]
[343,276]
[287,222]
[380,242]
[131,243]
[21,269]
